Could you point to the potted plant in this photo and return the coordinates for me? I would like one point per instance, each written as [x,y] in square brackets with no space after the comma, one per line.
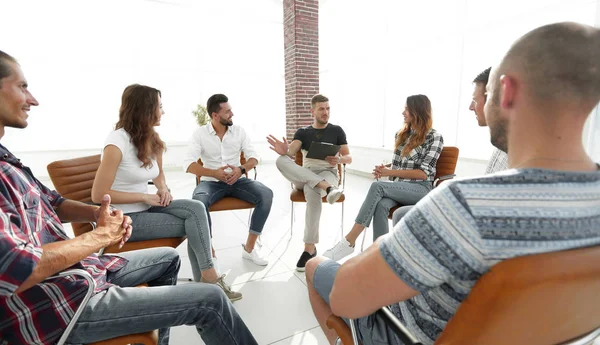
[201,115]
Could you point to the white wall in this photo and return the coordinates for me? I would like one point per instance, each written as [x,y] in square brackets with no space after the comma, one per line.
[374,54]
[78,57]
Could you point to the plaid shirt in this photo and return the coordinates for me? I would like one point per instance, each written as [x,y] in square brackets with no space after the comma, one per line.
[498,162]
[423,157]
[39,314]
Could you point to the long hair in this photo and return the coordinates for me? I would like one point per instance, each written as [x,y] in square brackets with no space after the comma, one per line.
[413,134]
[137,116]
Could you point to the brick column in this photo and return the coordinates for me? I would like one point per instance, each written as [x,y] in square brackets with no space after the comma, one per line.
[301,45]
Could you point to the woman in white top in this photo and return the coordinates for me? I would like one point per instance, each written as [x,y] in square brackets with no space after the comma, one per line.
[132,155]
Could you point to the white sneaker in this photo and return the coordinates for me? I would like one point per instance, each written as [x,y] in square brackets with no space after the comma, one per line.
[339,251]
[334,195]
[254,257]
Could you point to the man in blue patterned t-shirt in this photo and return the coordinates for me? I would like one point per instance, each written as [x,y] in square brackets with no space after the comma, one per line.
[549,201]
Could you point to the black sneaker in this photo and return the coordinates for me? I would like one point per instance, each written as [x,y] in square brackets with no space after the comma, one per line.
[301,265]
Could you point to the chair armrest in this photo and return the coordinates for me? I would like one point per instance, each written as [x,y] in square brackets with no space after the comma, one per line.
[401,331]
[438,180]
[91,287]
[446,177]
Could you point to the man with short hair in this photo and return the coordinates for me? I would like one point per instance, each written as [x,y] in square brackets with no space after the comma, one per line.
[219,145]
[548,201]
[318,178]
[498,161]
[36,305]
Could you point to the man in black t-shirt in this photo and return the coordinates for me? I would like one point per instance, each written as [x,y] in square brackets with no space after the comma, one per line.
[318,178]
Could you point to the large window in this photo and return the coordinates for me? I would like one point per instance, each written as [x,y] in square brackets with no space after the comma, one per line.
[78,57]
[374,56]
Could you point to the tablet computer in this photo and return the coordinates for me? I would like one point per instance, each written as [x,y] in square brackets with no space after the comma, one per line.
[319,150]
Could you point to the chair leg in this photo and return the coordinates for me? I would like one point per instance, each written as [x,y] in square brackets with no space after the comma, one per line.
[362,245]
[342,230]
[292,221]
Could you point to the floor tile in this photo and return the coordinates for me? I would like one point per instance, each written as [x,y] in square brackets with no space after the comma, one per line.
[314,336]
[275,307]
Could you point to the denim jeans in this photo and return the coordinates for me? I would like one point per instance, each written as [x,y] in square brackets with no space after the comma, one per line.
[209,192]
[400,213]
[382,196]
[181,218]
[306,179]
[371,329]
[126,309]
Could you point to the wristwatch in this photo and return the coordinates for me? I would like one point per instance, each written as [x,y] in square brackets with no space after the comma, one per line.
[242,169]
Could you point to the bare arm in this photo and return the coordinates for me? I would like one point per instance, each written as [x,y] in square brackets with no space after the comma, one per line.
[345,156]
[293,148]
[366,283]
[75,211]
[414,174]
[58,256]
[199,170]
[160,182]
[105,176]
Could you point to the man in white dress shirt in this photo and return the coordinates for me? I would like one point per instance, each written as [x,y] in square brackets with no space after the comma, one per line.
[219,144]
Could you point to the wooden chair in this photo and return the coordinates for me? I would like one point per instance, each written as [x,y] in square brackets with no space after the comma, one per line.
[542,299]
[444,169]
[298,195]
[146,338]
[73,179]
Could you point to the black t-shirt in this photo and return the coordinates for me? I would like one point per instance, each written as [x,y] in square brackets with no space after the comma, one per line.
[331,134]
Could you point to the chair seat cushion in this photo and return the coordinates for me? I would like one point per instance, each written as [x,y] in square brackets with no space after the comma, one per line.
[298,196]
[230,203]
[148,338]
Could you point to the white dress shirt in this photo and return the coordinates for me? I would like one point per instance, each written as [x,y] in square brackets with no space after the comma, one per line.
[206,145]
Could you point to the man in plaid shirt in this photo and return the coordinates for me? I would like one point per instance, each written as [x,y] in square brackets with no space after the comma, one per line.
[36,306]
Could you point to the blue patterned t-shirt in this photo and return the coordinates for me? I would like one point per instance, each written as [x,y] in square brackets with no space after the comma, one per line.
[461,229]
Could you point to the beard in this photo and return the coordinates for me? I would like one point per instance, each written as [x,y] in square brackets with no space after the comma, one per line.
[498,131]
[321,122]
[225,122]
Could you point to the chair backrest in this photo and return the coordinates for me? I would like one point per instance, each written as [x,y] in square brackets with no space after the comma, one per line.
[446,164]
[73,179]
[300,160]
[242,162]
[537,299]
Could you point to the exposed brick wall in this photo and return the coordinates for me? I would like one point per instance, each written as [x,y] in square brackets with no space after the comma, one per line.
[301,45]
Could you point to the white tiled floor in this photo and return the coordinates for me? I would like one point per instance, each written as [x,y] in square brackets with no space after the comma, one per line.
[275,305]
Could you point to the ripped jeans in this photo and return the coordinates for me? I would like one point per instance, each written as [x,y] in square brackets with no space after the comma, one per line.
[209,192]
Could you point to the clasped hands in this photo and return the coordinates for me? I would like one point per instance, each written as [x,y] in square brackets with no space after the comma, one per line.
[112,226]
[228,174]
[381,171]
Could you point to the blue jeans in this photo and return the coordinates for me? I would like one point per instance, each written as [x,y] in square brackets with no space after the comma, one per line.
[254,192]
[181,218]
[382,196]
[126,309]
[371,330]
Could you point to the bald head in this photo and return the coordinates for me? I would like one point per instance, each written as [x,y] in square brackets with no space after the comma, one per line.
[558,64]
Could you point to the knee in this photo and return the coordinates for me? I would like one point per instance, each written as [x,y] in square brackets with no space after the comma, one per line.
[311,267]
[266,195]
[201,196]
[375,186]
[281,161]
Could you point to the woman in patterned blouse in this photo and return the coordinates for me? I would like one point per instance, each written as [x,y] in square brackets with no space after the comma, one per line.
[411,174]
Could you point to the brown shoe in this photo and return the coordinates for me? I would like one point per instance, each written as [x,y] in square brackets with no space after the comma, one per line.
[232,295]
